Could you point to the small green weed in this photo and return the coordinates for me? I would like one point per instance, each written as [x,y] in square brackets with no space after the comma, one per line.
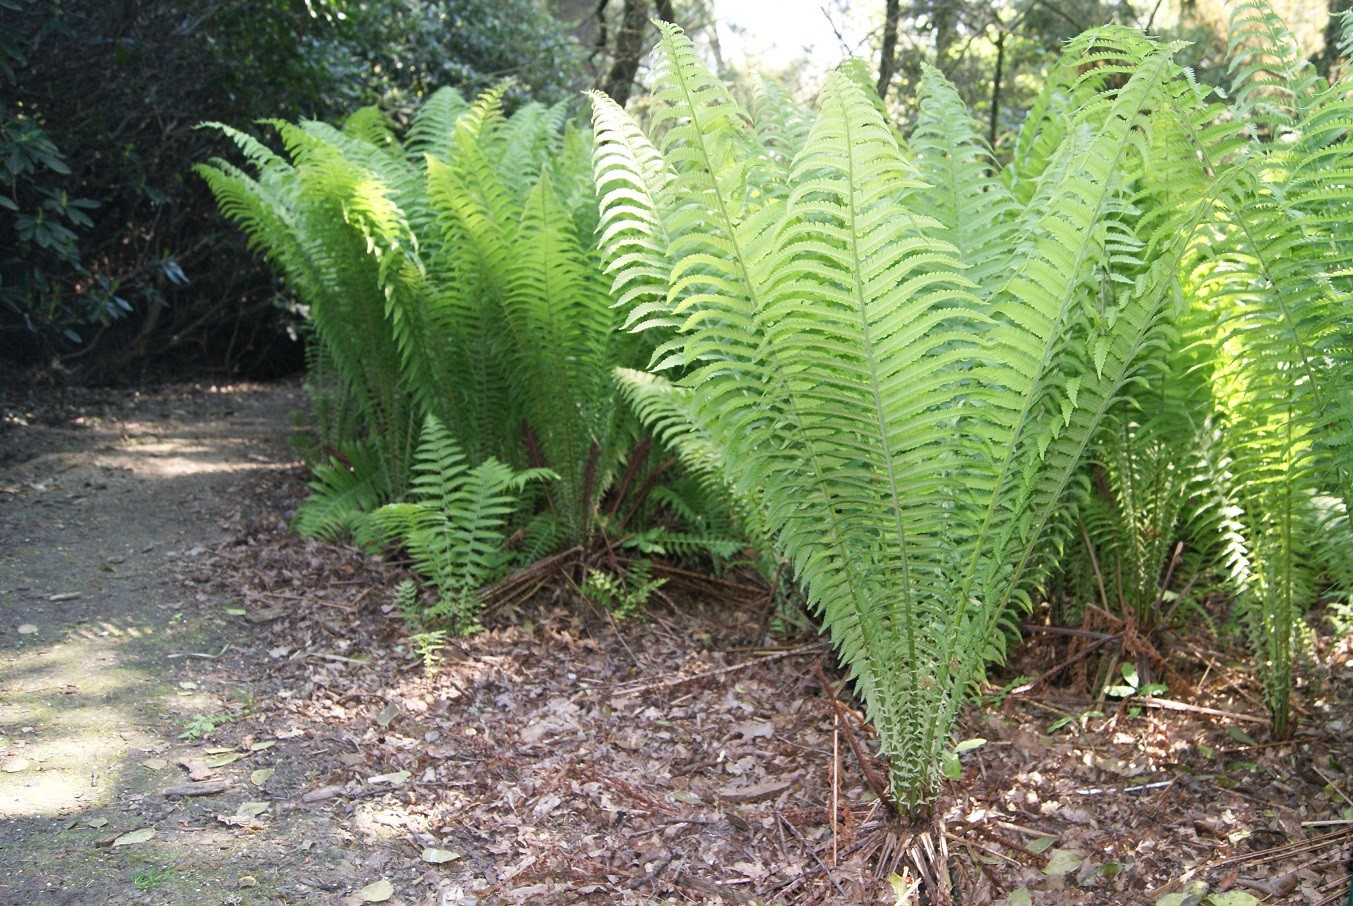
[151,878]
[1079,720]
[950,764]
[428,646]
[1132,685]
[202,724]
[623,597]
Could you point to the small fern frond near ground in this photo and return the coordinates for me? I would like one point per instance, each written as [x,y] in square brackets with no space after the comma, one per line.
[345,488]
[1142,507]
[454,527]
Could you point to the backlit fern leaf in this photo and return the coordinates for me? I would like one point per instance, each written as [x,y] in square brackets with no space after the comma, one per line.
[962,191]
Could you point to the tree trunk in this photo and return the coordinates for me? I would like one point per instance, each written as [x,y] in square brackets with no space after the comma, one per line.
[944,20]
[629,49]
[888,52]
[1334,32]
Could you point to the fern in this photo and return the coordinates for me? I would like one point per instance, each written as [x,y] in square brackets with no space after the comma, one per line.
[453,528]
[906,432]
[316,218]
[1142,507]
[712,506]
[453,276]
[345,489]
[623,596]
[1269,286]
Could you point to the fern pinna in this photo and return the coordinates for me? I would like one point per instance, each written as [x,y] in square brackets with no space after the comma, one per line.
[905,418]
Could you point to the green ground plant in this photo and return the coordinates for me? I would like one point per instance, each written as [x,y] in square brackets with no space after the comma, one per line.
[453,528]
[1236,455]
[453,280]
[907,431]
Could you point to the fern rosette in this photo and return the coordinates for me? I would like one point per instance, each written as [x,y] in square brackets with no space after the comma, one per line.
[896,362]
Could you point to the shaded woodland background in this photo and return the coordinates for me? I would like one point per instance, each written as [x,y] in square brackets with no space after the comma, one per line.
[114,261]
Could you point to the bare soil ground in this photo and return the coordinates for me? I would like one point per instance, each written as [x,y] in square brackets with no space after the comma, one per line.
[149,592]
[109,653]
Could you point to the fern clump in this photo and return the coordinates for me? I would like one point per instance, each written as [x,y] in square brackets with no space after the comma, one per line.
[452,276]
[895,360]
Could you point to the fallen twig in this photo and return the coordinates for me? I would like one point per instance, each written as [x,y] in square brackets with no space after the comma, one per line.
[875,783]
[201,788]
[210,657]
[1166,704]
[812,852]
[1099,791]
[337,657]
[708,674]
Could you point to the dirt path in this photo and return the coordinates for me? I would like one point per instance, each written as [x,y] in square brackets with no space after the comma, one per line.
[111,662]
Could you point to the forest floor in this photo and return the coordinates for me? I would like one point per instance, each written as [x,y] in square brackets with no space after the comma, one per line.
[197,707]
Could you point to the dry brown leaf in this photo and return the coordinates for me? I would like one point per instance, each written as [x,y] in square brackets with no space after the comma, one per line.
[757,792]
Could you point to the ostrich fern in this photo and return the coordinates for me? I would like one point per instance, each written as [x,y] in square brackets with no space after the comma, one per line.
[906,418]
[455,277]
[1269,287]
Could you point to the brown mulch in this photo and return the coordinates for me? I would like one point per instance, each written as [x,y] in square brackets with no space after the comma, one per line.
[689,758]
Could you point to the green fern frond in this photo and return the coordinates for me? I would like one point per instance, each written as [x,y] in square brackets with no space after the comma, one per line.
[430,132]
[454,527]
[633,182]
[368,124]
[1272,81]
[782,123]
[343,494]
[962,191]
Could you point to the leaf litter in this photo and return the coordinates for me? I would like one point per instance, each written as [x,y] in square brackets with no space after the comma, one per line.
[562,757]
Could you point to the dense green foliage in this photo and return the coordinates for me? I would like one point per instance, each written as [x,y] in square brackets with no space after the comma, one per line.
[903,359]
[454,526]
[454,278]
[114,89]
[908,424]
[1240,450]
[1269,291]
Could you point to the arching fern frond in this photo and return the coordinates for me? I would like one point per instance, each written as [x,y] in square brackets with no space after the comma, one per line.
[432,127]
[962,192]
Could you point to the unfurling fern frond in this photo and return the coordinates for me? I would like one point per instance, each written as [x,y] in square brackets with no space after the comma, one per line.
[454,526]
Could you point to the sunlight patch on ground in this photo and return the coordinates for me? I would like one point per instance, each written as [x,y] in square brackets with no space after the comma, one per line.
[170,458]
[65,727]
